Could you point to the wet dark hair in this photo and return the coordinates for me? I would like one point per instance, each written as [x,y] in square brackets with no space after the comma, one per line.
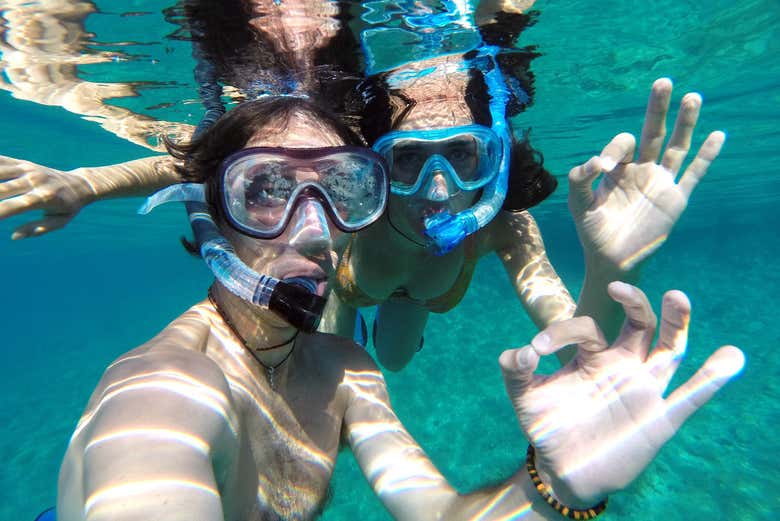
[529,182]
[199,159]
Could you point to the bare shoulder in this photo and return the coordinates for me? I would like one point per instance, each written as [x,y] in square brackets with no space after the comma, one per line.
[177,350]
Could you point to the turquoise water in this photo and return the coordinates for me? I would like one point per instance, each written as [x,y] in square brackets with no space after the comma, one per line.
[74,300]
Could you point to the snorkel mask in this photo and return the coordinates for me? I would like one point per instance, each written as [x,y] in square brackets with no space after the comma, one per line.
[469,156]
[487,168]
[260,188]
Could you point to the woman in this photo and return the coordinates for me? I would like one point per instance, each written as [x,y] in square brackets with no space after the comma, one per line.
[232,413]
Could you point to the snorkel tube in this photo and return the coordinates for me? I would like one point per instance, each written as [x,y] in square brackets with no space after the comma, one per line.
[293,301]
[446,230]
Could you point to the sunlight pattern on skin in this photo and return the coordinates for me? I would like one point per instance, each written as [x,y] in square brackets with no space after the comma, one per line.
[486,512]
[642,252]
[656,420]
[573,412]
[259,398]
[358,381]
[187,387]
[195,442]
[387,476]
[140,488]
[536,283]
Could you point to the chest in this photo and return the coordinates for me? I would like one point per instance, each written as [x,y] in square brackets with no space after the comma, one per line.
[289,443]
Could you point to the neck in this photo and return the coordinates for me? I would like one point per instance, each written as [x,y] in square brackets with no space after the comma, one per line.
[268,337]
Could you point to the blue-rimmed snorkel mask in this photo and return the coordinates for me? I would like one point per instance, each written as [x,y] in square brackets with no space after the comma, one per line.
[490,172]
[469,156]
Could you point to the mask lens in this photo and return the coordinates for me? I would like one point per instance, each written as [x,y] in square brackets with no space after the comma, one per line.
[262,186]
[354,185]
[471,156]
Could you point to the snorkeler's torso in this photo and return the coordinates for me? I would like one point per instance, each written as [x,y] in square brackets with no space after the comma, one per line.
[372,271]
[270,452]
[289,436]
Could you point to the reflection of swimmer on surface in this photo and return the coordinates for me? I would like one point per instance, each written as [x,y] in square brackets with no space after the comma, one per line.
[617,227]
[42,45]
[231,413]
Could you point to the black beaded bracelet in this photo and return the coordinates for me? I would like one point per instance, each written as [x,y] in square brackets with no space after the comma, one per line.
[544,491]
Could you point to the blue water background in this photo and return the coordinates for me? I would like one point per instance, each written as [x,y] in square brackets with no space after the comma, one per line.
[73,300]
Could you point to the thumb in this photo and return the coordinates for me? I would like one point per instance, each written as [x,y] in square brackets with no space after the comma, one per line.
[581,185]
[518,366]
[40,227]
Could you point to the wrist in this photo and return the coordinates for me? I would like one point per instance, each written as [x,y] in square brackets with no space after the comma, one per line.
[601,271]
[85,185]
[551,492]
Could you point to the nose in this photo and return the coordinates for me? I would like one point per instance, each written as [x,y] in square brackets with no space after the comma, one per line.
[310,233]
[438,190]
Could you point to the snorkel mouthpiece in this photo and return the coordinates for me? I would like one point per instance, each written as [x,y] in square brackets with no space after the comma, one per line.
[297,305]
[446,231]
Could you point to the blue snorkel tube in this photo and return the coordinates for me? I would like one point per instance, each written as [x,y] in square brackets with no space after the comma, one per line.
[296,301]
[446,230]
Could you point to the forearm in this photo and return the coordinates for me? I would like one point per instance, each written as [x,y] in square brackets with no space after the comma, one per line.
[515,499]
[541,291]
[594,301]
[406,480]
[140,177]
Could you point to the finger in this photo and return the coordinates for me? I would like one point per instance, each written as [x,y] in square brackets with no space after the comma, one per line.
[654,129]
[719,368]
[41,226]
[620,150]
[14,187]
[17,205]
[680,142]
[639,327]
[518,366]
[582,331]
[672,338]
[581,185]
[698,168]
[10,167]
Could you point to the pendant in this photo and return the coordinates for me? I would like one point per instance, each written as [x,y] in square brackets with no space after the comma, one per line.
[270,373]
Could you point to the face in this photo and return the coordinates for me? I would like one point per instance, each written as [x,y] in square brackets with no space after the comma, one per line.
[306,246]
[438,192]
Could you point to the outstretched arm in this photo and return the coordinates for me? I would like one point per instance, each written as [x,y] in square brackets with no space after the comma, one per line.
[595,424]
[521,249]
[26,186]
[156,438]
[518,243]
[637,201]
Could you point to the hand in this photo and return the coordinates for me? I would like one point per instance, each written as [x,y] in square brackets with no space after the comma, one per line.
[637,202]
[598,421]
[26,186]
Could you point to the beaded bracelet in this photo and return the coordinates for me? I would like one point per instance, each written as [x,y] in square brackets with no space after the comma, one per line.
[544,491]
